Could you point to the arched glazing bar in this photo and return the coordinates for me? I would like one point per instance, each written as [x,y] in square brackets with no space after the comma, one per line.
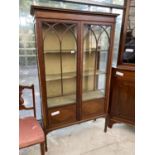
[70,29]
[97,37]
[60,36]
[51,27]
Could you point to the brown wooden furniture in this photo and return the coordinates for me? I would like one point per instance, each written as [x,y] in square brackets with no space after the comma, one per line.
[122,97]
[121,108]
[127,38]
[74,61]
[30,131]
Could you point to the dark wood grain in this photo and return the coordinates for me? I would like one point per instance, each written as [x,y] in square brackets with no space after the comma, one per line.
[123,35]
[92,108]
[67,115]
[122,98]
[41,67]
[21,99]
[109,69]
[70,11]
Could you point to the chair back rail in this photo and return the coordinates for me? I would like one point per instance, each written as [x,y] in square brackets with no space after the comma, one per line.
[21,100]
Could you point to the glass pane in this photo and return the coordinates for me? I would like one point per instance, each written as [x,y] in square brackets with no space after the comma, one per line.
[62,5]
[80,5]
[117,35]
[60,48]
[27,57]
[96,47]
[129,49]
[99,9]
[118,2]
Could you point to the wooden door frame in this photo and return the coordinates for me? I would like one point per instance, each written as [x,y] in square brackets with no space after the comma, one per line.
[123,35]
[41,60]
[109,60]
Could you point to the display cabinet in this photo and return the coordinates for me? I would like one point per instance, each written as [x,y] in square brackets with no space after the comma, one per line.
[127,41]
[74,63]
[121,108]
[122,97]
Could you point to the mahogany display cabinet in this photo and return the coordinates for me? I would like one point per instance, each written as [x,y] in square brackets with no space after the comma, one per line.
[74,50]
[121,108]
[122,97]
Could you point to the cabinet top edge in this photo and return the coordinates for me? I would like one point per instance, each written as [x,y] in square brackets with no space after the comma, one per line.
[46,8]
[125,67]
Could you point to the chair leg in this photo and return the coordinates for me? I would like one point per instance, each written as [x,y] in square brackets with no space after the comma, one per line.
[46,143]
[42,148]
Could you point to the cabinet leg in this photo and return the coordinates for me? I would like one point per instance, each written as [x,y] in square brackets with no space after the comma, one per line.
[110,124]
[106,124]
[94,119]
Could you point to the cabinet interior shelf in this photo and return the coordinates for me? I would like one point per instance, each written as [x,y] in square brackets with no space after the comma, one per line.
[71,51]
[71,99]
[69,75]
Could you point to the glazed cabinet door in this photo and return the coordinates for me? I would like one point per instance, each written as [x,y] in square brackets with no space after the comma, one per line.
[76,58]
[96,46]
[60,61]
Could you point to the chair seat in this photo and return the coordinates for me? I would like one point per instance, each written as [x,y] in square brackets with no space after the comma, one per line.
[30,132]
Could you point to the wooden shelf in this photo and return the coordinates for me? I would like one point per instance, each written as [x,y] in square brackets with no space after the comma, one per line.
[91,51]
[91,72]
[53,77]
[89,95]
[65,51]
[71,99]
[70,75]
[72,51]
[60,101]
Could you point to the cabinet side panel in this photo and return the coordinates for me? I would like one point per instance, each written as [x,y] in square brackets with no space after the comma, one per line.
[122,98]
[41,70]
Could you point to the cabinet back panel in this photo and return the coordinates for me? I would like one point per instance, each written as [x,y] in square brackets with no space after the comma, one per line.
[53,88]
[69,86]
[52,64]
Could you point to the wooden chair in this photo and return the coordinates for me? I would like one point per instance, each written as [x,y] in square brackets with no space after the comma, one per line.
[30,131]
